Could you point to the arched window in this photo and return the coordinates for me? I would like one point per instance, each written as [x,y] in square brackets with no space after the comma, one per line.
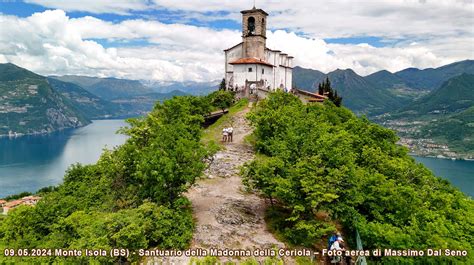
[251,25]
[263,23]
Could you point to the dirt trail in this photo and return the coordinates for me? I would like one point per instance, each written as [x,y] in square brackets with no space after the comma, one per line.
[226,215]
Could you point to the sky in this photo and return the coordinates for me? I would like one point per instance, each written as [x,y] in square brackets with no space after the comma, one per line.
[174,40]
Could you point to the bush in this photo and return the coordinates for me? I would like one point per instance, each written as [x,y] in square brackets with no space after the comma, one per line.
[315,158]
[131,198]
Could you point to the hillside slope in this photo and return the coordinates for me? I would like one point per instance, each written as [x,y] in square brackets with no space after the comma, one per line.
[89,104]
[307,79]
[456,130]
[440,123]
[29,105]
[454,95]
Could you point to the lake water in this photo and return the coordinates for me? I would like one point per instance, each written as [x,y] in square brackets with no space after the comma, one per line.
[459,172]
[31,162]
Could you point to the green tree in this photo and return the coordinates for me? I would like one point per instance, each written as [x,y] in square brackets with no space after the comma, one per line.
[221,99]
[222,85]
[325,88]
[131,198]
[323,165]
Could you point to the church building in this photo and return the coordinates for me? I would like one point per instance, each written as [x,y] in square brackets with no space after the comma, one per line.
[251,67]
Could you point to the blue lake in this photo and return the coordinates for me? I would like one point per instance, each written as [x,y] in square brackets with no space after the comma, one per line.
[31,162]
[459,172]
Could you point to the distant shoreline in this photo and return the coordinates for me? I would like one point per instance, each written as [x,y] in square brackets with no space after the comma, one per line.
[442,157]
[19,135]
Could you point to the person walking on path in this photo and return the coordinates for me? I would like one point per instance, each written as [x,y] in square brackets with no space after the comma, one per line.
[225,135]
[230,132]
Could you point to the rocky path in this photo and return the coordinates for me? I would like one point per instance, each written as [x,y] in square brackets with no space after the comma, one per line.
[228,217]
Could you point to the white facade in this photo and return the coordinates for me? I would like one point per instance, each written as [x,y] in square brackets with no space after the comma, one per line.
[271,71]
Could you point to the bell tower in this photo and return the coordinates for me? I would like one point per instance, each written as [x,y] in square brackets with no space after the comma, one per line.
[254,30]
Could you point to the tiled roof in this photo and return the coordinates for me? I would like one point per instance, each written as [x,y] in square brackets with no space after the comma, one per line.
[13,203]
[250,61]
[314,96]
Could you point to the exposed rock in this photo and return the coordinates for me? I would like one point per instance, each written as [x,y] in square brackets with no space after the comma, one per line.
[236,212]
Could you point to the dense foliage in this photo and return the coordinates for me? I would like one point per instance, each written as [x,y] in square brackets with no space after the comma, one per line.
[221,99]
[131,198]
[322,165]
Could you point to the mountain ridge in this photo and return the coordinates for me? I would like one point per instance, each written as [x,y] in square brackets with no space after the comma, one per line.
[109,88]
[382,91]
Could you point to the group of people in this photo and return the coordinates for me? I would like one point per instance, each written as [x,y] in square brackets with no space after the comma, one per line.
[336,242]
[227,134]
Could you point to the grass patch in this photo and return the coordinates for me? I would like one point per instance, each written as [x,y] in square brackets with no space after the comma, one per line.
[250,139]
[212,134]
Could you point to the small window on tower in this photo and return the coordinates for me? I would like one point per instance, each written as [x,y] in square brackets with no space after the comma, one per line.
[263,71]
[250,69]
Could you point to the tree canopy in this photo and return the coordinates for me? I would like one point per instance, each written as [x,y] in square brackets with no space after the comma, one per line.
[321,160]
[131,198]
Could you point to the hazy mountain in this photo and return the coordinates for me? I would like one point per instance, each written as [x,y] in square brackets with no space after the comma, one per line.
[455,95]
[433,78]
[190,87]
[107,88]
[142,104]
[28,104]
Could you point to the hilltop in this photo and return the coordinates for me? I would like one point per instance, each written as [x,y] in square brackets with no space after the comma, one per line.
[90,105]
[284,182]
